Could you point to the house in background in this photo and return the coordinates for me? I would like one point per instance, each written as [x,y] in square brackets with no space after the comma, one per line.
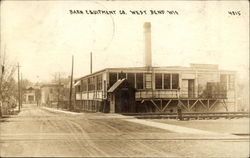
[29,96]
[54,95]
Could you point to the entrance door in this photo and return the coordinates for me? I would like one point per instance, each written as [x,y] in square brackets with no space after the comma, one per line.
[190,88]
[122,101]
[184,88]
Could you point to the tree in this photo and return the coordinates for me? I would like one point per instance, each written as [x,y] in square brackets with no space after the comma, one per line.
[61,78]
[8,87]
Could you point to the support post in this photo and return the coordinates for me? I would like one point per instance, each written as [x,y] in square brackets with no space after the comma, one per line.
[208,105]
[155,105]
[166,105]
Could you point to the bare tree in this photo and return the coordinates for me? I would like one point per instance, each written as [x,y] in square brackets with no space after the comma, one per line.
[8,87]
[62,79]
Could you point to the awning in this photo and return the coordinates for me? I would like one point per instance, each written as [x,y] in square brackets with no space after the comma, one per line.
[77,83]
[116,85]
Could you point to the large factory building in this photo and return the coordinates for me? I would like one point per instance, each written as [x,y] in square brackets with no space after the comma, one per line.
[200,87]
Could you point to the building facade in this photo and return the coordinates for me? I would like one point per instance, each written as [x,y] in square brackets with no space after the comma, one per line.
[29,96]
[200,87]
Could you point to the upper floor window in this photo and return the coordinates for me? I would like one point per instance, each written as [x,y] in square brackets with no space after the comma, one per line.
[175,81]
[131,79]
[167,81]
[112,79]
[139,80]
[99,82]
[158,81]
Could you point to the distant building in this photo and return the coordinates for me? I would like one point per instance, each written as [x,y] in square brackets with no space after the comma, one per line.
[29,96]
[49,93]
[52,94]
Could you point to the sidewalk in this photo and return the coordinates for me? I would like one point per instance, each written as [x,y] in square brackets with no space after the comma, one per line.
[61,111]
[179,129]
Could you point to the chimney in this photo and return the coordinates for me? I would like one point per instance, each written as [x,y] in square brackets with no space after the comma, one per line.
[147,37]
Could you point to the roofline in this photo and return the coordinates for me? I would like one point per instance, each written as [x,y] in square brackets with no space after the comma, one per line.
[171,68]
[90,74]
[51,85]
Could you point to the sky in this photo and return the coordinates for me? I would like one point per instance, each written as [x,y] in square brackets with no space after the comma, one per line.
[43,35]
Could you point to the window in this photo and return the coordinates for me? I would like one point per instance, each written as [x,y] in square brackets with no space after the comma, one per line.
[148,81]
[78,88]
[231,81]
[175,81]
[166,81]
[121,75]
[139,80]
[31,98]
[84,85]
[91,83]
[131,79]
[99,82]
[112,79]
[223,79]
[158,81]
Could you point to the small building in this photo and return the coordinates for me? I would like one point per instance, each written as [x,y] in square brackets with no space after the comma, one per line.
[50,94]
[29,96]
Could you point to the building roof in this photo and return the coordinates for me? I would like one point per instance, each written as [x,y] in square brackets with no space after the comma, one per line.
[77,83]
[192,67]
[51,85]
[30,88]
[116,85]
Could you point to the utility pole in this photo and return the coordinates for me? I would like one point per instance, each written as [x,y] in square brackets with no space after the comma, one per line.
[90,62]
[71,82]
[1,85]
[19,91]
[58,96]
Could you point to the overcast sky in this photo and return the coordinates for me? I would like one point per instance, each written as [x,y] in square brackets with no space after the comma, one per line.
[42,36]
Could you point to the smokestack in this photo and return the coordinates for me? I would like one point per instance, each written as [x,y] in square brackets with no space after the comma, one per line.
[147,36]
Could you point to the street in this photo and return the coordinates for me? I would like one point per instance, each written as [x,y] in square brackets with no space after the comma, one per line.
[37,131]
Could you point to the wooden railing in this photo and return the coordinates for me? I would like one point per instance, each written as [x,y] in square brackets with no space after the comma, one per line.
[189,115]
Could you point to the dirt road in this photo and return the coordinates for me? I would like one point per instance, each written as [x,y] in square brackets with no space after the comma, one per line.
[39,132]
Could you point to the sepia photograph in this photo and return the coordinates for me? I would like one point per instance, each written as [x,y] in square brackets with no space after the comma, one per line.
[124,78]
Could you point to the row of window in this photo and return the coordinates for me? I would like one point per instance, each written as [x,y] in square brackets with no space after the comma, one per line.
[228,80]
[92,83]
[136,80]
[144,80]
[166,81]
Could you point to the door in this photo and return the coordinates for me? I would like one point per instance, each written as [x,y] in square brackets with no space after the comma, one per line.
[190,88]
[184,89]
[122,101]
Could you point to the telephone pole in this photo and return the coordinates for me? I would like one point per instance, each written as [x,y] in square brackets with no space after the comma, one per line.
[19,90]
[71,82]
[58,96]
[90,62]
